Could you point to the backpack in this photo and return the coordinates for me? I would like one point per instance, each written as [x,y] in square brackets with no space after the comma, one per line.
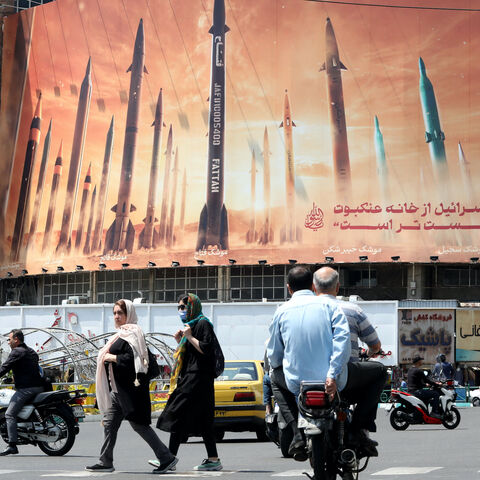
[219,359]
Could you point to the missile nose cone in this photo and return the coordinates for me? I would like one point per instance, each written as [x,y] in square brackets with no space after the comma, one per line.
[60,150]
[89,67]
[89,171]
[421,66]
[139,39]
[49,127]
[112,123]
[38,109]
[376,123]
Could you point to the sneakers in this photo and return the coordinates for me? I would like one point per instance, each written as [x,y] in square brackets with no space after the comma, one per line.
[165,466]
[208,466]
[10,450]
[156,463]
[98,467]
[298,451]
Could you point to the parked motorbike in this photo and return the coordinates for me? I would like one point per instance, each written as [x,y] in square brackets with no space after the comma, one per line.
[50,421]
[326,425]
[406,409]
[278,431]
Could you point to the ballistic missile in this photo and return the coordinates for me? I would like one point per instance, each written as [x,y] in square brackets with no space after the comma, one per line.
[166,185]
[289,232]
[76,159]
[149,235]
[31,151]
[171,221]
[182,207]
[81,218]
[213,223]
[102,194]
[40,183]
[251,233]
[121,234]
[338,127]
[382,169]
[433,131]
[57,173]
[266,235]
[87,247]
[466,175]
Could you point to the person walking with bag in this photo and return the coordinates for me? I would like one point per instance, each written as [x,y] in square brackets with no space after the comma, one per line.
[190,408]
[122,388]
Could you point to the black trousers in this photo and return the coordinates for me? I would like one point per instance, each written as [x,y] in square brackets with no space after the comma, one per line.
[365,383]
[431,397]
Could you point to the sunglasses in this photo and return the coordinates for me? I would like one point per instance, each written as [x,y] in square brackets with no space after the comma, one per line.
[182,307]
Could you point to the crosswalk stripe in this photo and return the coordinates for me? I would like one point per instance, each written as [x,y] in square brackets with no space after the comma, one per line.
[293,473]
[85,473]
[406,470]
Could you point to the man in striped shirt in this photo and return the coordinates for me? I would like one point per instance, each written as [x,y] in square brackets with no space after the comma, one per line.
[326,283]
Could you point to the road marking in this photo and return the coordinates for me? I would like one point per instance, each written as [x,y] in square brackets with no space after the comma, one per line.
[6,472]
[85,473]
[407,470]
[293,473]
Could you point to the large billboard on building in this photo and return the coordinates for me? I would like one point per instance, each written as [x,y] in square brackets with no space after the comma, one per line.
[468,336]
[135,131]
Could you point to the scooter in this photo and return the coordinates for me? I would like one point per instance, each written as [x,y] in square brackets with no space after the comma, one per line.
[406,409]
[49,421]
[326,426]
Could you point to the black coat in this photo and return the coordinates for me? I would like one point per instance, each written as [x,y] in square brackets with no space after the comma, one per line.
[23,361]
[135,401]
[190,408]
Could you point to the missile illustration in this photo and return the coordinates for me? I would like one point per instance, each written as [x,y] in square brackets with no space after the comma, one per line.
[76,159]
[171,221]
[81,218]
[87,247]
[382,169]
[31,151]
[182,206]
[162,231]
[121,234]
[40,183]
[289,233]
[338,126]
[102,194]
[149,235]
[252,233]
[433,131]
[57,173]
[266,234]
[213,223]
[466,175]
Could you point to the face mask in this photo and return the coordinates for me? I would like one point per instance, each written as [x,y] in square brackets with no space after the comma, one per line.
[183,315]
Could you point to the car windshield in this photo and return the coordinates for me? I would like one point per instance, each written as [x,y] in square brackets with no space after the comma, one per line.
[238,372]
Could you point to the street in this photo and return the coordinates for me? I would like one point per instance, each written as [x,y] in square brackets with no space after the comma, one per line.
[426,452]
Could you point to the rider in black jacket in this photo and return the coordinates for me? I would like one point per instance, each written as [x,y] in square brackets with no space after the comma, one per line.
[23,362]
[417,380]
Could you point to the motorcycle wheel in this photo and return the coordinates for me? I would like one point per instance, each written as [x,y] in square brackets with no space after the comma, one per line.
[396,422]
[321,460]
[63,444]
[285,437]
[451,419]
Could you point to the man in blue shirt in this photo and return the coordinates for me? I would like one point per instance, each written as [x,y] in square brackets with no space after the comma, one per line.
[310,340]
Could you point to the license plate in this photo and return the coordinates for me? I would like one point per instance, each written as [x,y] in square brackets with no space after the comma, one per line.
[78,411]
[220,413]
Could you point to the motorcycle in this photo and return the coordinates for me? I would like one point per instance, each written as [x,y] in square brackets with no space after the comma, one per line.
[326,424]
[406,409]
[50,421]
[278,431]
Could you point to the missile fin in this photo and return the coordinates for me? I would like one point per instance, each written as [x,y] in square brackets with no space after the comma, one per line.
[293,124]
[342,66]
[133,208]
[202,229]
[130,237]
[322,68]
[145,70]
[281,125]
[227,29]
[108,246]
[156,238]
[114,209]
[428,137]
[129,68]
[211,30]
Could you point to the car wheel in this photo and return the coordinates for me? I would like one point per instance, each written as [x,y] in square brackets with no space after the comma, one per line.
[476,402]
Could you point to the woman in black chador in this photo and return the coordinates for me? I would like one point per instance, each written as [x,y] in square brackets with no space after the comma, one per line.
[190,408]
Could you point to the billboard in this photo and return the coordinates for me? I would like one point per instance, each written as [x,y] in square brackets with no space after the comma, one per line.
[137,131]
[468,336]
[427,333]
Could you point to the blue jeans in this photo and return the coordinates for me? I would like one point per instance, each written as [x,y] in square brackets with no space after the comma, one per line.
[19,399]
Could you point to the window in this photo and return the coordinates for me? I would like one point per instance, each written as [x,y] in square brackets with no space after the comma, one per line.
[364,278]
[59,287]
[128,284]
[254,282]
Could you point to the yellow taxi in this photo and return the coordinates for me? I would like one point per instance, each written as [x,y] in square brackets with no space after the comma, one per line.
[239,399]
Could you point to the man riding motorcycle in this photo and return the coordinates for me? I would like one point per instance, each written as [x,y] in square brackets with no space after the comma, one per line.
[310,340]
[416,383]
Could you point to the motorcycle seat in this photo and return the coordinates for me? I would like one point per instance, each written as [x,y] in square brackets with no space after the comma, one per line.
[50,397]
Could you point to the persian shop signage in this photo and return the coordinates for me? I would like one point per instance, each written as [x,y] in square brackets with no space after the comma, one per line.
[468,336]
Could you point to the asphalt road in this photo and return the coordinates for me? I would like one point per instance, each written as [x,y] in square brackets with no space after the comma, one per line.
[421,452]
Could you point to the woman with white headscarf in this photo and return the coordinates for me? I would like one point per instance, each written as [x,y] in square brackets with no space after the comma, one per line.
[123,389]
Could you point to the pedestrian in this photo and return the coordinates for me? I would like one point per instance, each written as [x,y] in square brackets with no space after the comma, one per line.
[122,389]
[190,408]
[23,361]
